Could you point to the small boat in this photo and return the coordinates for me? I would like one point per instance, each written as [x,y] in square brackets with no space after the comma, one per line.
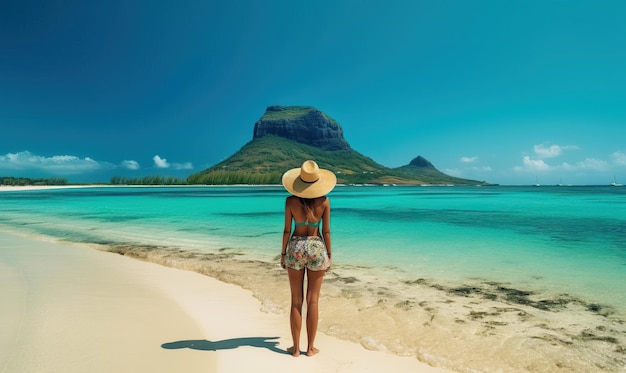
[615,184]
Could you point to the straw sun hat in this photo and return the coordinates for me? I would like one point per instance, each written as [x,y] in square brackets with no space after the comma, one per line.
[309,181]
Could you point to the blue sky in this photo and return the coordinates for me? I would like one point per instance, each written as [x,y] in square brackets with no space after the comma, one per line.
[511,92]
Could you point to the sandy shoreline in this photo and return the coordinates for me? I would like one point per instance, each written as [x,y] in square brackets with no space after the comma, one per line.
[76,309]
[17,188]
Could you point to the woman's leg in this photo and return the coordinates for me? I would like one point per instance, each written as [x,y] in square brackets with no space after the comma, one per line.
[296,281]
[314,285]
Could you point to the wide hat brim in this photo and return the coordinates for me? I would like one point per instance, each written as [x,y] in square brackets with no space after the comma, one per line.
[296,186]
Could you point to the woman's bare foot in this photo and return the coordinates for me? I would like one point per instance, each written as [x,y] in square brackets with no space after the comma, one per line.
[295,352]
[312,351]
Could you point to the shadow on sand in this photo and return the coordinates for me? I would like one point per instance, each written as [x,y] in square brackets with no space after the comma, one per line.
[226,344]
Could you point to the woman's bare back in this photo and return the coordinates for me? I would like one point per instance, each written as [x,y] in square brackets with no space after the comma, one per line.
[307,222]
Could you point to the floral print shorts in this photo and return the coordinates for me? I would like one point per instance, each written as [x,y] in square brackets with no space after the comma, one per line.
[307,251]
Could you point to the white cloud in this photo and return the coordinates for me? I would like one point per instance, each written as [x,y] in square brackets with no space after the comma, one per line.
[61,164]
[163,163]
[131,165]
[183,166]
[469,159]
[619,158]
[552,151]
[589,164]
[69,164]
[160,162]
[533,165]
[593,164]
[542,152]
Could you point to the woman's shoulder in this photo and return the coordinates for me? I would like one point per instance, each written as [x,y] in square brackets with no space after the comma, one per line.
[316,201]
[323,201]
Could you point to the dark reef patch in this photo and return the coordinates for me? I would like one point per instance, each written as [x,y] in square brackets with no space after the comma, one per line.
[500,292]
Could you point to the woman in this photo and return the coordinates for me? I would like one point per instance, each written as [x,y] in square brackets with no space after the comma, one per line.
[304,249]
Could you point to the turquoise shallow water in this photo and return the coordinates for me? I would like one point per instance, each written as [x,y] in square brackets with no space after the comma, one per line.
[553,241]
[563,238]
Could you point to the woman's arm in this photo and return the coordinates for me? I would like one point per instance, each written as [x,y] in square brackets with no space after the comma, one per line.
[326,226]
[286,232]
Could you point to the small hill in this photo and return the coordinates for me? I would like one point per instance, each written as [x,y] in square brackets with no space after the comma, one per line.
[420,168]
[284,137]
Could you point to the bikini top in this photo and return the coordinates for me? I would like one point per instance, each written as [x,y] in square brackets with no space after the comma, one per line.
[308,223]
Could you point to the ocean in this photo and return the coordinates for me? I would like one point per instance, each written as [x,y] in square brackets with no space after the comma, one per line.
[475,279]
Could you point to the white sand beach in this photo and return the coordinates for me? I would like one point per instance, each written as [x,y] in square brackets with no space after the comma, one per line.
[71,308]
[16,188]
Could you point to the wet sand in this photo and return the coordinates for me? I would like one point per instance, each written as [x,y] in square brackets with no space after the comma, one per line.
[475,326]
[71,308]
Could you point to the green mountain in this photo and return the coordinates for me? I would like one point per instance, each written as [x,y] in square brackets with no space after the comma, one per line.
[421,169]
[286,136]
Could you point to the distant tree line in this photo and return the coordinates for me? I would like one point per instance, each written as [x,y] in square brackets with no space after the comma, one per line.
[147,180]
[234,177]
[25,181]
